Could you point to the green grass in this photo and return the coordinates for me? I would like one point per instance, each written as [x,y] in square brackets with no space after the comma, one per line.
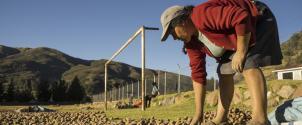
[183,108]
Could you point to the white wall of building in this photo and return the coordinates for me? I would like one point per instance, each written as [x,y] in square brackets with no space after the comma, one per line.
[280,75]
[297,74]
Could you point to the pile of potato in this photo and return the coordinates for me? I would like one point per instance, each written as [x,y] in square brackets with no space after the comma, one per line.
[236,117]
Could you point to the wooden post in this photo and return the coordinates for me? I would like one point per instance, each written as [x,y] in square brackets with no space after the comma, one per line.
[105,86]
[132,89]
[127,91]
[138,89]
[146,87]
[143,67]
[119,92]
[158,79]
[165,83]
[178,86]
[123,92]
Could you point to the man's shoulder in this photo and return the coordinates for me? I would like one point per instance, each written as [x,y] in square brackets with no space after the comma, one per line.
[194,44]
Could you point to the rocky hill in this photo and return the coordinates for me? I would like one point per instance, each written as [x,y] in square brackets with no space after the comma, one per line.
[292,51]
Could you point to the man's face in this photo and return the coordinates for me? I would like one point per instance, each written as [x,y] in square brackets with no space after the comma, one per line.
[181,32]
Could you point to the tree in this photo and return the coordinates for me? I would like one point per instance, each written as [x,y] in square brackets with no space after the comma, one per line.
[75,91]
[44,94]
[9,94]
[1,90]
[23,91]
[22,95]
[59,94]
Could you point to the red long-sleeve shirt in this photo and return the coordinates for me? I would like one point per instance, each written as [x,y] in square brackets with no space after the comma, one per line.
[220,21]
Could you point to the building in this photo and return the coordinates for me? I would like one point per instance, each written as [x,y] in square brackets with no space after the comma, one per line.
[290,73]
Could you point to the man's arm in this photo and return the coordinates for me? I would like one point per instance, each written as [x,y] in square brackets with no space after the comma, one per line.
[198,67]
[197,61]
[199,94]
[240,54]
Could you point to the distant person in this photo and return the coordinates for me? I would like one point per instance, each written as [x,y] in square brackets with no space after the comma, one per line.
[148,99]
[242,35]
[154,93]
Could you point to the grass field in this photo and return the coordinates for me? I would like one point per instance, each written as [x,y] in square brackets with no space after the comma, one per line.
[182,108]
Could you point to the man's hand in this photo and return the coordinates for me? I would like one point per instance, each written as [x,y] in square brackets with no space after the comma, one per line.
[239,56]
[237,61]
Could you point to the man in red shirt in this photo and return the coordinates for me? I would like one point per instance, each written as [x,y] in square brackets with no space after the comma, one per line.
[241,35]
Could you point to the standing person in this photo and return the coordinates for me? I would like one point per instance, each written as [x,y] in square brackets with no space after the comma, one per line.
[241,35]
[148,99]
[154,93]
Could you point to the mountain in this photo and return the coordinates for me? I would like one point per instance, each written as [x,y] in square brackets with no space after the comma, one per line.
[38,63]
[30,66]
[6,51]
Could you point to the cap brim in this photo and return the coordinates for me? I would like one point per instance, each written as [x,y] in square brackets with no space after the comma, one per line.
[165,33]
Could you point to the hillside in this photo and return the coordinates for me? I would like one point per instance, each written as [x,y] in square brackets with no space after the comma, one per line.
[44,63]
[6,51]
[292,51]
[28,67]
[120,74]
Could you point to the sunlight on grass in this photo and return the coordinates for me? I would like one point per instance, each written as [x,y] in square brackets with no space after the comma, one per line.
[178,110]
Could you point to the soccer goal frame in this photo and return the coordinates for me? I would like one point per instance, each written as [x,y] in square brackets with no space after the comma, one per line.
[141,31]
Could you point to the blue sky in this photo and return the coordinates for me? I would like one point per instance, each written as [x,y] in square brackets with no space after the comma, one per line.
[95,29]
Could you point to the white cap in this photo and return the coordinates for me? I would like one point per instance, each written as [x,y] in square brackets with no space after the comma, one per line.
[166,17]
